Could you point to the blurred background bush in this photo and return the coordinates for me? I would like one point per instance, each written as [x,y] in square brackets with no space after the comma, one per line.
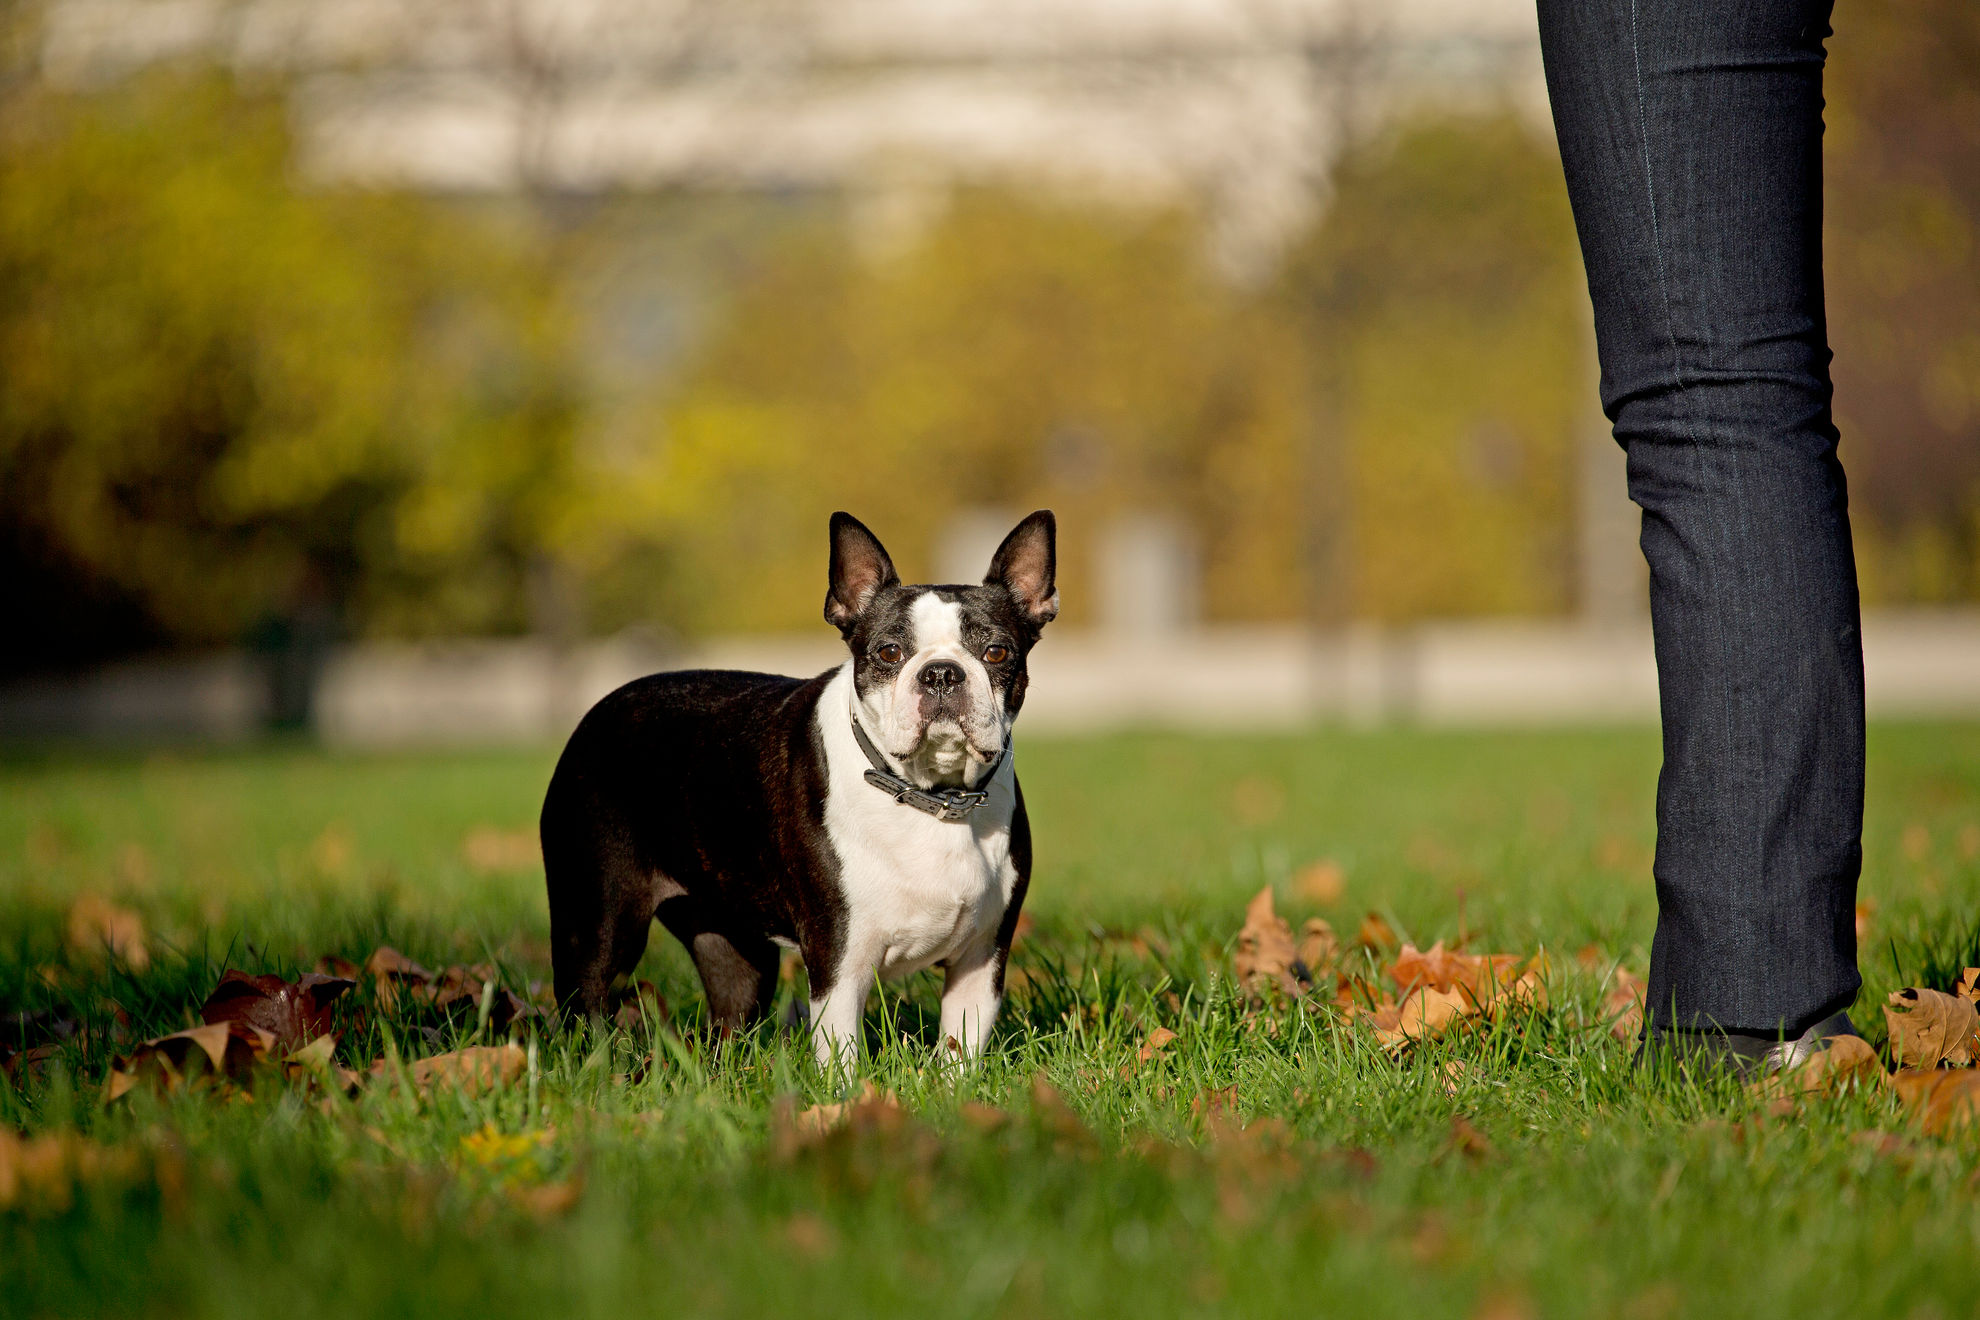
[483,317]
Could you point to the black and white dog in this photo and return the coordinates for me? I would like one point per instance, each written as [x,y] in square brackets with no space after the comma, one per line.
[869,817]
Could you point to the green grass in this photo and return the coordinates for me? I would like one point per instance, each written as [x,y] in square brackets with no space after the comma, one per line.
[1603,1192]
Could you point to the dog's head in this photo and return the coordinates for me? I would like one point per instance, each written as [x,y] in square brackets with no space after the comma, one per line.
[939,671]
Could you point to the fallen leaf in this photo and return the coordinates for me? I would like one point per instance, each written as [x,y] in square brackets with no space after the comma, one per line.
[489,849]
[1941,1099]
[643,1005]
[874,1110]
[1318,948]
[1265,953]
[1848,1062]
[1969,984]
[1454,1070]
[1322,882]
[810,1236]
[471,1071]
[1623,1004]
[228,1050]
[1375,933]
[1467,1140]
[97,926]
[291,1011]
[1214,1103]
[1158,1040]
[1425,1011]
[1929,1028]
[549,1200]
[984,1118]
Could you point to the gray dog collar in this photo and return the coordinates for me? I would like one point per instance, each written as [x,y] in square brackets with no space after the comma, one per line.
[954,804]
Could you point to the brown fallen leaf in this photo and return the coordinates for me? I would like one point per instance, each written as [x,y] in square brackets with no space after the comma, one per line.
[1941,1099]
[228,1050]
[1490,981]
[472,1071]
[645,1004]
[1158,1040]
[1214,1104]
[1969,984]
[96,927]
[1425,1011]
[1623,1005]
[549,1200]
[982,1117]
[41,1174]
[875,1110]
[1929,1028]
[1375,933]
[489,849]
[1467,1140]
[1265,953]
[1322,882]
[1318,947]
[1846,1064]
[291,1011]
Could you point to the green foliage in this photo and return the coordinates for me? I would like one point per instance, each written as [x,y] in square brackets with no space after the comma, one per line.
[1903,266]
[227,393]
[1017,354]
[1444,312]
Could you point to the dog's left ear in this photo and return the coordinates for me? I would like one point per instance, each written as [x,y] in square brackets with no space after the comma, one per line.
[1027,564]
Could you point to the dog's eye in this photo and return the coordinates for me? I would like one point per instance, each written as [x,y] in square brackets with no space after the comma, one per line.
[891,653]
[996,655]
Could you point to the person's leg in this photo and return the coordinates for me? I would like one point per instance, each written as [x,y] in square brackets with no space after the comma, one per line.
[1691,134]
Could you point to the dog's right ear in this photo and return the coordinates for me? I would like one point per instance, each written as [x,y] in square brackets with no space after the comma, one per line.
[860,568]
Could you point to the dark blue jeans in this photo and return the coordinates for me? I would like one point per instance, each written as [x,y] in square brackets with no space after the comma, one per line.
[1691,134]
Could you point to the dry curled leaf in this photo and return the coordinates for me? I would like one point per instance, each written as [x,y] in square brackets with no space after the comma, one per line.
[1488,981]
[490,850]
[228,1050]
[471,1071]
[291,1011]
[96,927]
[1318,948]
[1968,986]
[1929,1028]
[1848,1062]
[1623,1005]
[1158,1040]
[1375,933]
[1266,955]
[1467,1140]
[1322,882]
[1940,1099]
[1425,1011]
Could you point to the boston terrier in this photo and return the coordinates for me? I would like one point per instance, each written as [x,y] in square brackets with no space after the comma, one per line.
[869,817]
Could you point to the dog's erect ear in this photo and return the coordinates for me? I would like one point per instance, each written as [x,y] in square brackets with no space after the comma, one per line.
[1027,563]
[860,568]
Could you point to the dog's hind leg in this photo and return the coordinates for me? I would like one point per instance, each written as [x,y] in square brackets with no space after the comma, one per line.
[602,903]
[738,974]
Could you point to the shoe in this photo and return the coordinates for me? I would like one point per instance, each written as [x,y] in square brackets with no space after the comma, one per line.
[1745,1056]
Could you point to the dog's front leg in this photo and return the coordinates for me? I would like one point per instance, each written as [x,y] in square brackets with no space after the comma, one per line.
[971,997]
[836,1013]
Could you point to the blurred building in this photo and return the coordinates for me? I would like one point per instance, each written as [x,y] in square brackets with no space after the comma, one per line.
[1236,105]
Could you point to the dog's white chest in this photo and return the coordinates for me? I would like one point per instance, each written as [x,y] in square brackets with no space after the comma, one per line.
[918,890]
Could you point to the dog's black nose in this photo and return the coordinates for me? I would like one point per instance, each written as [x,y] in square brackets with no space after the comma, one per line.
[941,675]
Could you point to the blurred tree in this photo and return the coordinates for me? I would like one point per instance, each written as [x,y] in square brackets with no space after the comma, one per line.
[226,397]
[1017,354]
[1442,317]
[1903,258]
